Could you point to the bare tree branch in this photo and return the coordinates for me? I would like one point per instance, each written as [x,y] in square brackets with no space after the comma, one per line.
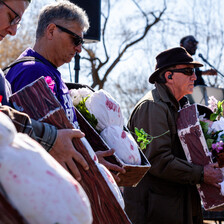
[97,64]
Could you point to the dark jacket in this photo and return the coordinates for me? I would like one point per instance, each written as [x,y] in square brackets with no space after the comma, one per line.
[167,194]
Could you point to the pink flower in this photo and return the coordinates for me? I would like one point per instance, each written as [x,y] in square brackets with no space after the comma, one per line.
[0,98]
[212,103]
[218,146]
[50,82]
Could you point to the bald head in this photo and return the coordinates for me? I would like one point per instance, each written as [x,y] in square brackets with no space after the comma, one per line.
[189,43]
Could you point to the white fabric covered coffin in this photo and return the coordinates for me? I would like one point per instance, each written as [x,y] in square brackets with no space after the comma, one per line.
[38,186]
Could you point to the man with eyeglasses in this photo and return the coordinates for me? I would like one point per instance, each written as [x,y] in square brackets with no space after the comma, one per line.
[190,44]
[167,194]
[10,19]
[59,37]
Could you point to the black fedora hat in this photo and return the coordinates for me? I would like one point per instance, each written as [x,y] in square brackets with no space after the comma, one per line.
[171,57]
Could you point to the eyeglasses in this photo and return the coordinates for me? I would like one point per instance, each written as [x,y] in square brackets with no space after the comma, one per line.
[17,18]
[185,71]
[77,40]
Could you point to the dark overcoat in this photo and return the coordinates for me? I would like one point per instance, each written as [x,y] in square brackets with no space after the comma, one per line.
[167,194]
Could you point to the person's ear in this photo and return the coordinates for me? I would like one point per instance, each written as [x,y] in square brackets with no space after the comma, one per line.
[50,31]
[168,76]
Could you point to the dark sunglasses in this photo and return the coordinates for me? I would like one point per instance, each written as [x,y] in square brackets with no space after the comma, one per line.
[17,18]
[76,38]
[185,71]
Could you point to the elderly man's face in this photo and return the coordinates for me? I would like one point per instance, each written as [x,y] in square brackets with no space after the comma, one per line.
[182,84]
[65,42]
[10,14]
[190,44]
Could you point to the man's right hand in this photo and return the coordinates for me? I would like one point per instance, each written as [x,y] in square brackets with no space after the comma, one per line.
[65,153]
[212,174]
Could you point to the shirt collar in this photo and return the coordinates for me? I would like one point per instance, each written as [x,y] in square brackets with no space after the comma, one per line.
[166,95]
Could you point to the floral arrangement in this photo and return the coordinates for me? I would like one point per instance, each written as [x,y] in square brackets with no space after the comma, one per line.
[213,128]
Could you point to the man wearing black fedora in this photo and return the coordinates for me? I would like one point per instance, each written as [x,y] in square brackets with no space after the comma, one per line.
[167,194]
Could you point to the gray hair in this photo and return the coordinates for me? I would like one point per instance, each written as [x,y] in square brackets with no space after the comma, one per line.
[63,10]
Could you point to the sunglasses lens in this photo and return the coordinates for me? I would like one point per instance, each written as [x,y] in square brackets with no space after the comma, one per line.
[189,72]
[186,71]
[78,41]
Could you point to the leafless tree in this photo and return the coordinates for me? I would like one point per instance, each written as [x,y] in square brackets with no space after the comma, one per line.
[127,41]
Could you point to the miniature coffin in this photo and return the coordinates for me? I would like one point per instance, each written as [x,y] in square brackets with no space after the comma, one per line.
[110,125]
[196,151]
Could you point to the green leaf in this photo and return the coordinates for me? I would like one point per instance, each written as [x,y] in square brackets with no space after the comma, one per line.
[222,137]
[209,143]
[137,132]
[218,112]
[84,111]
[213,117]
[204,126]
[144,138]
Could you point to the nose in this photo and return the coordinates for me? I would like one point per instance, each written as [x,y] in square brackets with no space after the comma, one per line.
[78,48]
[12,30]
[194,77]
